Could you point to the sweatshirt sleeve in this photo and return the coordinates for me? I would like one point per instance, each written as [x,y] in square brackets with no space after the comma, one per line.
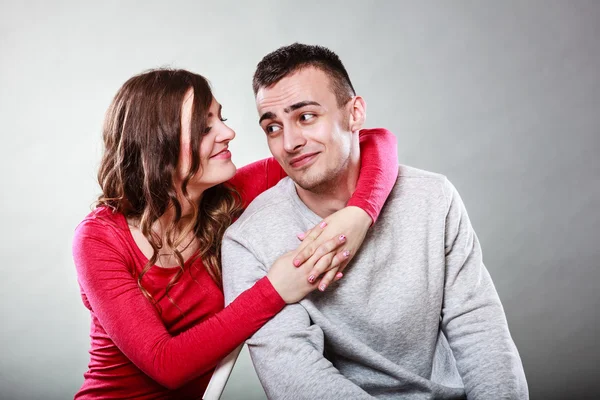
[288,351]
[135,327]
[472,316]
[378,173]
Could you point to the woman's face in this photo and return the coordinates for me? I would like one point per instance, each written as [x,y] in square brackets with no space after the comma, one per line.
[215,159]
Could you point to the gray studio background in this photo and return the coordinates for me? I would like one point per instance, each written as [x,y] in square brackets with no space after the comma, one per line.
[503,97]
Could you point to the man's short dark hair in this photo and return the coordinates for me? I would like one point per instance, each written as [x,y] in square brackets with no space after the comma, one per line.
[289,59]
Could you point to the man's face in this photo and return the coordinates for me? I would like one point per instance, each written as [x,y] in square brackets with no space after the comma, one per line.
[307,132]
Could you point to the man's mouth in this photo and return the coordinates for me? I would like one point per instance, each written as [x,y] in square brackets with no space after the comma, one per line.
[302,160]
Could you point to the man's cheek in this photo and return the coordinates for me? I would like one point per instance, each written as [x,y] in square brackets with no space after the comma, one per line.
[276,150]
[272,147]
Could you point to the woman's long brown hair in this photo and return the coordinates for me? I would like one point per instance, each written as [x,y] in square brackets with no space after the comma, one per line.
[141,135]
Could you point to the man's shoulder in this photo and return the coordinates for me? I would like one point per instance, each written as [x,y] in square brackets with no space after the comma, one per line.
[420,187]
[421,178]
[274,201]
[407,171]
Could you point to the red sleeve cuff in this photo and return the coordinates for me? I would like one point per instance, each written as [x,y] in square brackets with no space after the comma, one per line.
[367,207]
[271,299]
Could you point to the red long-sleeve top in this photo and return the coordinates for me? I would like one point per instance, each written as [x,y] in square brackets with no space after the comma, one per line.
[137,352]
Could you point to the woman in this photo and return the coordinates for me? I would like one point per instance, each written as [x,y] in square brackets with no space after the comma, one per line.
[147,257]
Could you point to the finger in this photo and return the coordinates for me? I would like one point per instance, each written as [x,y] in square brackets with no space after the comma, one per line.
[328,247]
[320,267]
[316,231]
[343,258]
[327,279]
[327,264]
[343,264]
[313,233]
[309,240]
[303,235]
[310,248]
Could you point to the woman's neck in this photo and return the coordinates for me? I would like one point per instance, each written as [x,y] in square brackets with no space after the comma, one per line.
[183,235]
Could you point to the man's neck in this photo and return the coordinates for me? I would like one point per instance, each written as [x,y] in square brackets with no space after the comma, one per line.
[336,193]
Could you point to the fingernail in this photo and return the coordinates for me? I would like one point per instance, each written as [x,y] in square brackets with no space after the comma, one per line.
[323,224]
[301,236]
[297,263]
[339,275]
[342,238]
[322,287]
[311,279]
[346,253]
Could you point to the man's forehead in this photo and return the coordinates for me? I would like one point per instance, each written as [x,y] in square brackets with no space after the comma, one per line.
[308,84]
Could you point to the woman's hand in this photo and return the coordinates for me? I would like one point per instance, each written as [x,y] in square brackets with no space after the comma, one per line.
[349,227]
[290,282]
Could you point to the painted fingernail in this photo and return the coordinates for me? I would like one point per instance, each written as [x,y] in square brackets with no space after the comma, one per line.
[323,224]
[322,287]
[346,253]
[342,238]
[311,279]
[339,275]
[297,263]
[301,236]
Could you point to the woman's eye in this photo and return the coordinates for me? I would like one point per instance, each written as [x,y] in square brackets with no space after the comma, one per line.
[223,119]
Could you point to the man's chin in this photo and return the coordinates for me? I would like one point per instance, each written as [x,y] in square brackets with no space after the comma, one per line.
[306,182]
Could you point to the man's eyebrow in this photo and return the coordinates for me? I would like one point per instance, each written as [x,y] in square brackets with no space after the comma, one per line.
[267,115]
[301,104]
[293,107]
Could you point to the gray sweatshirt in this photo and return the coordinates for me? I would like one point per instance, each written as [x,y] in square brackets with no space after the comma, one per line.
[416,315]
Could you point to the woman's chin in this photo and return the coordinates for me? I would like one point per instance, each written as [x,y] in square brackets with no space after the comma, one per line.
[218,175]
[229,171]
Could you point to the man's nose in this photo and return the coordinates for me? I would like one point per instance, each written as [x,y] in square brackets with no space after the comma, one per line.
[293,139]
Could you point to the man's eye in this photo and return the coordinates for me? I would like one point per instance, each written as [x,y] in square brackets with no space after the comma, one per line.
[272,128]
[306,117]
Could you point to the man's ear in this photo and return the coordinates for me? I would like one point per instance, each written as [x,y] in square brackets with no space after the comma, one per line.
[358,113]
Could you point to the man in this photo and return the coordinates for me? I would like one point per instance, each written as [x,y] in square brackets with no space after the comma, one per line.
[416,315]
